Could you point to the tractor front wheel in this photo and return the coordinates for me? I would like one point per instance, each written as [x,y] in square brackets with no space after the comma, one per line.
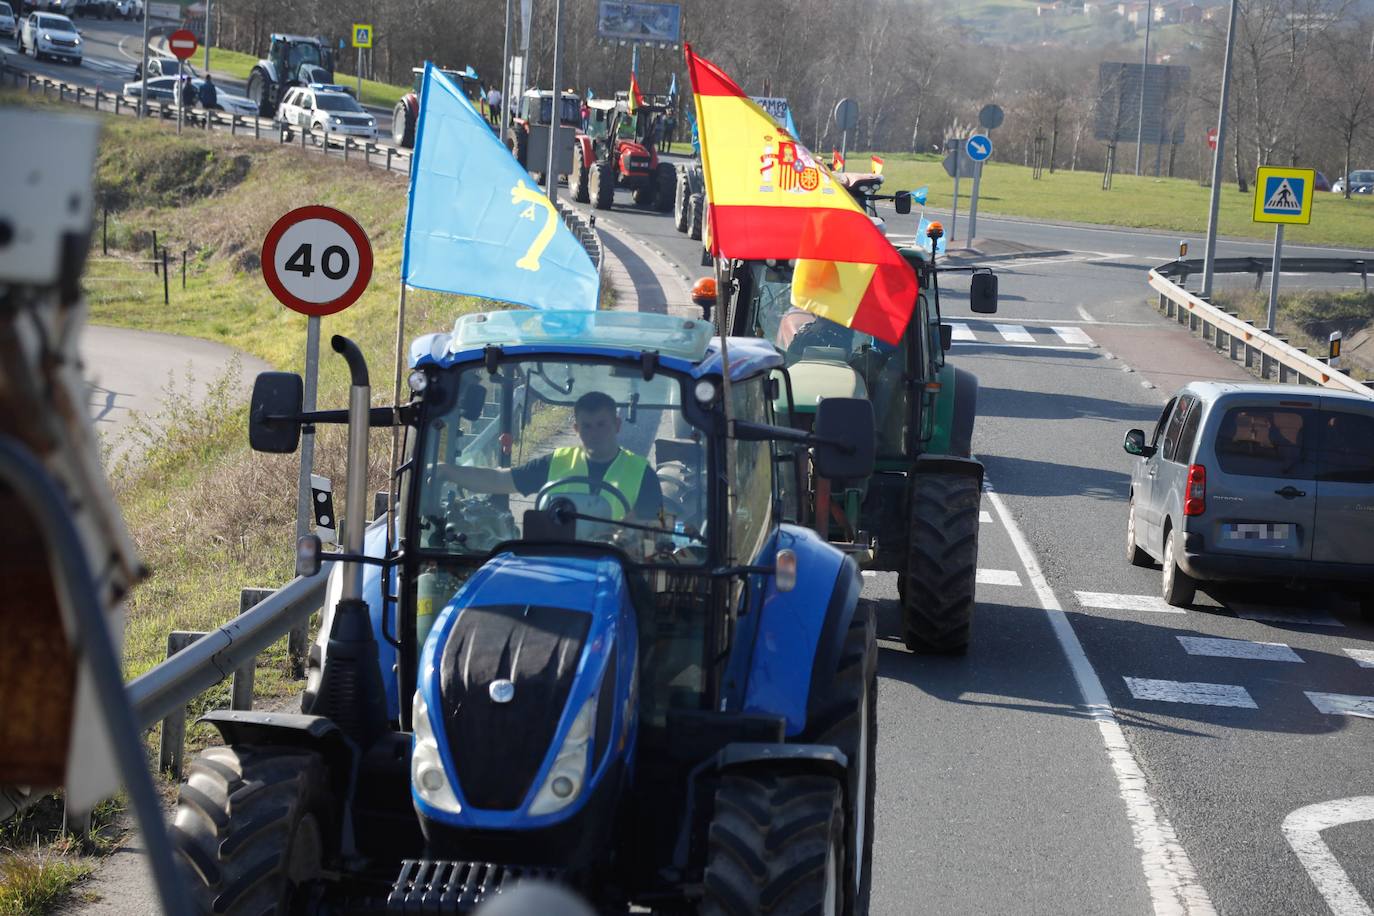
[518,143]
[942,563]
[696,207]
[665,176]
[601,181]
[260,90]
[578,179]
[775,845]
[402,125]
[252,828]
[682,194]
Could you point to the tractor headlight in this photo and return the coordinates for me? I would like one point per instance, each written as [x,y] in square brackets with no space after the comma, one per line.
[569,771]
[427,774]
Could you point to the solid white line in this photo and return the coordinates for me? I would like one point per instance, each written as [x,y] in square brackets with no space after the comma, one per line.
[1341,704]
[1169,874]
[1303,830]
[997,577]
[1071,335]
[1110,602]
[1239,648]
[1363,657]
[961,331]
[1014,333]
[1266,614]
[1195,692]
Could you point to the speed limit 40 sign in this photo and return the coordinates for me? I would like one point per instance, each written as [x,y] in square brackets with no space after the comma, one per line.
[316,260]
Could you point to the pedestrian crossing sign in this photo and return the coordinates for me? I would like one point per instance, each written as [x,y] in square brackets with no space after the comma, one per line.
[1284,195]
[362,35]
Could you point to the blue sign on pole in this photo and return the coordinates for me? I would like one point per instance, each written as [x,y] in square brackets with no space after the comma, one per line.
[978,147]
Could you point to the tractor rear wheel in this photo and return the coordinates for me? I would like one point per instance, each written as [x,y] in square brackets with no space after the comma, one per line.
[682,193]
[601,185]
[578,178]
[518,143]
[402,125]
[942,563]
[696,207]
[843,712]
[776,845]
[261,90]
[665,177]
[643,193]
[252,827]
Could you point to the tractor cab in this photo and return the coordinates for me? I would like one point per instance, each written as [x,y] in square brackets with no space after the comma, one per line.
[466,79]
[536,108]
[300,59]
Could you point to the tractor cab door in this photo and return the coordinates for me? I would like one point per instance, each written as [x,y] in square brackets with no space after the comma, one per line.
[897,377]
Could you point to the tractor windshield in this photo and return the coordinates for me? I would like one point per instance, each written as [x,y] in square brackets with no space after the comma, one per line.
[791,329]
[303,52]
[561,449]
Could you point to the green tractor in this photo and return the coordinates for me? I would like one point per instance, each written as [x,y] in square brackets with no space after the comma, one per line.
[917,514]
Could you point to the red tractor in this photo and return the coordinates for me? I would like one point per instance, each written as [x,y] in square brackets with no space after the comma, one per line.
[406,114]
[626,156]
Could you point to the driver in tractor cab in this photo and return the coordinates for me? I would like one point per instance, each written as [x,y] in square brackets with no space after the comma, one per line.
[599,459]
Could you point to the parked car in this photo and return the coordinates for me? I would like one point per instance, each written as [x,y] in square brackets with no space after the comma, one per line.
[326,107]
[130,9]
[50,34]
[166,66]
[1255,482]
[164,89]
[1361,181]
[96,9]
[1320,182]
[9,23]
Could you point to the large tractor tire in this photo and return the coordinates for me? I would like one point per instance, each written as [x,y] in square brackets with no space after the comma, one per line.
[843,712]
[263,91]
[252,826]
[578,178]
[601,185]
[682,193]
[665,177]
[696,208]
[643,193]
[402,125]
[775,845]
[942,563]
[519,144]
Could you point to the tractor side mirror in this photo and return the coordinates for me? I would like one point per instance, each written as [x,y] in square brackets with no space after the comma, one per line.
[902,201]
[846,434]
[982,293]
[274,415]
[946,336]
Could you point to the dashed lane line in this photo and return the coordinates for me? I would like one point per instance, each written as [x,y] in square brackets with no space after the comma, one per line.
[1193,692]
[1173,884]
[1076,337]
[985,516]
[998,577]
[1238,648]
[1111,602]
[1014,333]
[1363,657]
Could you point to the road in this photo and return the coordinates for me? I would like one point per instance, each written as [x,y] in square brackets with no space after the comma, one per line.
[1002,787]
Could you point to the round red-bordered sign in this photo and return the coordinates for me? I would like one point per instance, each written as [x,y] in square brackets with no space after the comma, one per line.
[182,43]
[316,260]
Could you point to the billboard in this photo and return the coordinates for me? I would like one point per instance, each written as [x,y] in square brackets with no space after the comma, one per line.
[1118,103]
[649,22]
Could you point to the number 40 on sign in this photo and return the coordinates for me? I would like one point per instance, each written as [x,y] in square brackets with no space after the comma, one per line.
[316,260]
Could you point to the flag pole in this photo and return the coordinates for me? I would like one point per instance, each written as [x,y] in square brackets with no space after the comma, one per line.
[723,279]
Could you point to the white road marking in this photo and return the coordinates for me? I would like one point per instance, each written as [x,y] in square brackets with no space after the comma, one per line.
[1169,874]
[1363,657]
[1014,333]
[997,577]
[961,331]
[1266,614]
[1342,704]
[1015,346]
[1083,313]
[1073,336]
[1302,828]
[985,516]
[1195,692]
[1109,602]
[1239,648]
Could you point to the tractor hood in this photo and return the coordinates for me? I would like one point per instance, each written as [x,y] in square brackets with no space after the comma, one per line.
[815,378]
[525,689]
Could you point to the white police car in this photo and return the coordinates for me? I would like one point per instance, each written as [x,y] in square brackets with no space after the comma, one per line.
[328,108]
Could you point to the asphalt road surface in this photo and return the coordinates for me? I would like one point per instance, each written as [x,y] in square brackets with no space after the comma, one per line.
[1097,752]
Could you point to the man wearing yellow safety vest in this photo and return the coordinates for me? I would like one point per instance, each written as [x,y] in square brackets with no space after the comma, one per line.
[599,459]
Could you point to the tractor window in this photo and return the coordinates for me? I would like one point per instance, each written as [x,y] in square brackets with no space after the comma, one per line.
[303,52]
[753,472]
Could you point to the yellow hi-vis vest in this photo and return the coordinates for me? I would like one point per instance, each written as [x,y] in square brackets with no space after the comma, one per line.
[626,474]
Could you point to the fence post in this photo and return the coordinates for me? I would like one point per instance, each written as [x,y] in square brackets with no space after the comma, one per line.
[155,252]
[1266,365]
[173,744]
[242,697]
[166,293]
[105,230]
[117,99]
[304,131]
[388,158]
[345,149]
[233,124]
[183,268]
[257,123]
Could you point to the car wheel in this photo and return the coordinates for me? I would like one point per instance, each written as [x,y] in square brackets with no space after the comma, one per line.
[1179,587]
[1134,554]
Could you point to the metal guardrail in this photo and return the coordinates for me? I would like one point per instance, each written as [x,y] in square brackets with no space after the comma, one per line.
[586,233]
[1269,355]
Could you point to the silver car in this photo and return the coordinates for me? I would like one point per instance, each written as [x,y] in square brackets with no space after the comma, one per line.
[9,26]
[1253,482]
[1361,182]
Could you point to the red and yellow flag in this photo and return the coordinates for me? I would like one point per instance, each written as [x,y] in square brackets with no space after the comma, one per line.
[636,97]
[768,197]
[836,160]
[877,165]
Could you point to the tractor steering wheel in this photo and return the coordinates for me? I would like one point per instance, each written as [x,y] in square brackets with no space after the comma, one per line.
[820,333]
[546,492]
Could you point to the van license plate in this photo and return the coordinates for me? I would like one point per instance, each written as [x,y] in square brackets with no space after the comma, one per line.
[1257,531]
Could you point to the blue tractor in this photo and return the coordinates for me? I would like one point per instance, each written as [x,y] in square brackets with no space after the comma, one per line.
[645,684]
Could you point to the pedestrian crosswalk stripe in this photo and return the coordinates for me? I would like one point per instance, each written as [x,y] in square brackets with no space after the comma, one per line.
[1014,333]
[1363,657]
[961,331]
[1238,648]
[1109,602]
[1074,336]
[998,577]
[1266,614]
[985,516]
[1341,704]
[1193,692]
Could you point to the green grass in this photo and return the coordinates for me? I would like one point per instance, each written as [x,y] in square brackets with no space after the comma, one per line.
[35,882]
[1307,318]
[239,65]
[1171,204]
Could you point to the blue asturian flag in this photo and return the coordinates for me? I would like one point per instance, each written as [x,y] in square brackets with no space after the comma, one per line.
[924,243]
[672,89]
[919,195]
[477,224]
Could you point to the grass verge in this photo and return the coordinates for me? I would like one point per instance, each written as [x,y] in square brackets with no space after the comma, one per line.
[1308,318]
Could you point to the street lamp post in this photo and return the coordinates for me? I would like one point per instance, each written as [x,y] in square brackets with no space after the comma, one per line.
[1206,291]
[1144,70]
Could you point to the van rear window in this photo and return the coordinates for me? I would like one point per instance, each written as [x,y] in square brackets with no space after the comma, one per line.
[1268,442]
[1347,453]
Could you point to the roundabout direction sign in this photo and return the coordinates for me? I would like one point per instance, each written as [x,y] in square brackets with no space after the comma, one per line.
[978,147]
[316,260]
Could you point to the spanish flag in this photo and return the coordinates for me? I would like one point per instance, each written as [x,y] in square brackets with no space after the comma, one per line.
[877,165]
[636,97]
[836,160]
[770,198]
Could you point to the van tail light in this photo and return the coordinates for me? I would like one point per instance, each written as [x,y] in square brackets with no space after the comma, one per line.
[1195,495]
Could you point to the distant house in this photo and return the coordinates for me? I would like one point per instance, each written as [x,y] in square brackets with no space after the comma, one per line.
[1190,13]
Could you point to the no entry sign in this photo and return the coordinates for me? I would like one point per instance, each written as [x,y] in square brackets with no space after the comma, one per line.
[182,43]
[316,260]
